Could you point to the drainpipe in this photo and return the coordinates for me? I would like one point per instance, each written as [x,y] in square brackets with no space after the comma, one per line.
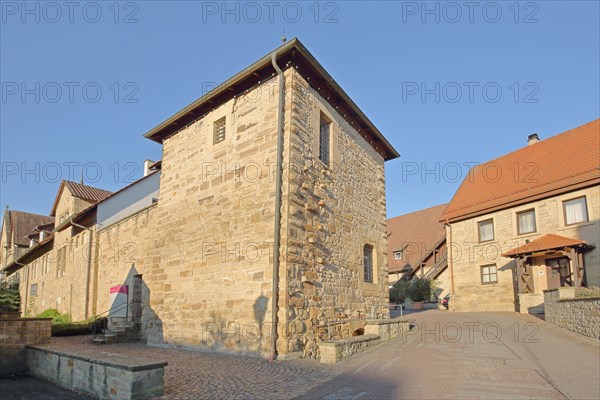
[450,262]
[277,224]
[89,266]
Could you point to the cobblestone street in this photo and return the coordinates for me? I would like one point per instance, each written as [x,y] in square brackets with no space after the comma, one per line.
[448,355]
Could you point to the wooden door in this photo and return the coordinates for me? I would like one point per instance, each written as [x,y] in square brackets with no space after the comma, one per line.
[558,272]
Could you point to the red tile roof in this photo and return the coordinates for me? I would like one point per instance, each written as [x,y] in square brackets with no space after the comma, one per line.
[559,164]
[82,191]
[546,242]
[87,192]
[22,223]
[420,230]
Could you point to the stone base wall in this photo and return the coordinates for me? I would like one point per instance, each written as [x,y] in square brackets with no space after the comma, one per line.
[94,377]
[531,303]
[386,329]
[25,331]
[577,315]
[333,352]
[13,359]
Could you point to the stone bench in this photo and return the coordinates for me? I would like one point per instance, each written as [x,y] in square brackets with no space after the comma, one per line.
[102,375]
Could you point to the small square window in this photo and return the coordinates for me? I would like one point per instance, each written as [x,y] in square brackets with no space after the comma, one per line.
[526,222]
[575,211]
[397,255]
[486,230]
[219,131]
[489,274]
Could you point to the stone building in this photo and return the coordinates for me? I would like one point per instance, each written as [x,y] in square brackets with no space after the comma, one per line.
[264,230]
[526,222]
[417,247]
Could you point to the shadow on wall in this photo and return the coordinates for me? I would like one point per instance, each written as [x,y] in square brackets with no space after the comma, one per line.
[590,232]
[252,338]
[512,266]
[136,294]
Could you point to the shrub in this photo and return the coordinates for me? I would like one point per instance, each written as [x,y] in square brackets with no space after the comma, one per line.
[417,289]
[592,292]
[10,300]
[398,292]
[57,317]
[79,328]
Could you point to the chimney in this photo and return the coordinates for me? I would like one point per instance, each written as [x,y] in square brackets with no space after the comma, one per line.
[147,164]
[532,139]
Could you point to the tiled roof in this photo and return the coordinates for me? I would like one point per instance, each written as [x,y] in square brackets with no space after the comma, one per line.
[546,242]
[82,191]
[22,223]
[87,192]
[420,229]
[559,164]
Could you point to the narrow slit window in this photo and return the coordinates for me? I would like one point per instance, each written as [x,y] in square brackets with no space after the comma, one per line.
[219,131]
[368,263]
[324,139]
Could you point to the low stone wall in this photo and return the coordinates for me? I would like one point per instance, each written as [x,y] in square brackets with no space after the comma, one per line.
[376,331]
[531,303]
[338,350]
[386,329]
[25,330]
[13,359]
[102,375]
[578,315]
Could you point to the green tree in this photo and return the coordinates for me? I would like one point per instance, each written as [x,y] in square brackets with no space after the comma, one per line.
[10,300]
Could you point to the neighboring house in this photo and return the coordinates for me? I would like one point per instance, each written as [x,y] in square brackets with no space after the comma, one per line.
[18,234]
[264,231]
[46,256]
[526,222]
[417,247]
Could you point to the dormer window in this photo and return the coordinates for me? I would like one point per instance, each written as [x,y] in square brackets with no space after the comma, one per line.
[398,255]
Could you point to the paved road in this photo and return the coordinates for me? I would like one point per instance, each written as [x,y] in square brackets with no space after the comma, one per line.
[446,356]
[471,356]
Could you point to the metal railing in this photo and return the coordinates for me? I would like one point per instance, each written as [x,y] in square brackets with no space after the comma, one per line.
[108,313]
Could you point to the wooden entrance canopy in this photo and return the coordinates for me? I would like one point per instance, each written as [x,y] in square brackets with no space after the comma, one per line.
[548,246]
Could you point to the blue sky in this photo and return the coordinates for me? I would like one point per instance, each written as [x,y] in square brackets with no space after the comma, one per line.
[448,83]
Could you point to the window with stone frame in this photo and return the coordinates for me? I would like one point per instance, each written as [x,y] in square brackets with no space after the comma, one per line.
[368,263]
[489,274]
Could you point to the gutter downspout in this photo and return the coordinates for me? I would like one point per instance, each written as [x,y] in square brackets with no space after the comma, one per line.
[89,266]
[450,263]
[278,195]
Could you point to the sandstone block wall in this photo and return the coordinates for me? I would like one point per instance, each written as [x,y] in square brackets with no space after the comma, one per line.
[332,212]
[25,331]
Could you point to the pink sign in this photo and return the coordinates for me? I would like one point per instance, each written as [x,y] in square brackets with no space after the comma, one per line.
[119,289]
